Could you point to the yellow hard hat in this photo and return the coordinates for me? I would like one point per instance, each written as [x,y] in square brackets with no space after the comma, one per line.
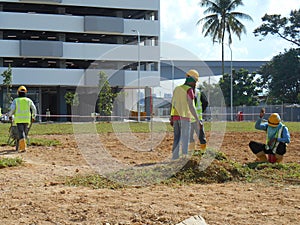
[274,120]
[22,89]
[194,74]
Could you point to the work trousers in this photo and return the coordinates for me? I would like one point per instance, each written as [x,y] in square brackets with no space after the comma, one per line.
[257,147]
[22,130]
[200,133]
[181,137]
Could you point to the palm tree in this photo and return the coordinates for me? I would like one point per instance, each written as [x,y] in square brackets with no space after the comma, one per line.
[222,19]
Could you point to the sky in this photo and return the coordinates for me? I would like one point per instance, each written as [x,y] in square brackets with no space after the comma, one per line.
[181,38]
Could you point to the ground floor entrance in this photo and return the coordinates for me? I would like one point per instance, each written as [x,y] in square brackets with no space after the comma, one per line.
[52,106]
[48,100]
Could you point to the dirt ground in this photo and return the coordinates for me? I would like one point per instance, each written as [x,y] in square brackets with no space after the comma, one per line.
[35,193]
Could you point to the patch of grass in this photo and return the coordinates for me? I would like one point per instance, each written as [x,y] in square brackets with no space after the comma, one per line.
[41,142]
[10,162]
[105,127]
[248,126]
[293,126]
[121,127]
[51,128]
[279,172]
[39,129]
[44,142]
[94,181]
[144,127]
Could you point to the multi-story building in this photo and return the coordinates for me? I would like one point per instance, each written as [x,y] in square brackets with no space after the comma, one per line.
[56,46]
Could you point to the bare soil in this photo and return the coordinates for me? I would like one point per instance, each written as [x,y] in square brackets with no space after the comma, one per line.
[35,193]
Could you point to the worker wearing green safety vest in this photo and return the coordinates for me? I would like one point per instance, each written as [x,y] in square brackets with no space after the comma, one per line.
[24,111]
[201,104]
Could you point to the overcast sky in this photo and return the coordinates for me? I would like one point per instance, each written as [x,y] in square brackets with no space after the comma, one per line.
[181,38]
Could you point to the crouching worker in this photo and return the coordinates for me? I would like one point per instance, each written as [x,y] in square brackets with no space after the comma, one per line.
[278,137]
[24,112]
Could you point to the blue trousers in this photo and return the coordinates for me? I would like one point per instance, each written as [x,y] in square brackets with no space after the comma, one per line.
[181,137]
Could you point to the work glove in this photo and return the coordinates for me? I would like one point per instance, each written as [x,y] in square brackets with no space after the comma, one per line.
[32,119]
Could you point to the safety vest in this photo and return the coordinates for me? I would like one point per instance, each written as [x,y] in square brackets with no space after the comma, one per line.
[180,105]
[198,106]
[275,145]
[22,112]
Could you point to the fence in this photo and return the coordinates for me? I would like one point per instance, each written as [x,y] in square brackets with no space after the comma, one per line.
[250,113]
[240,113]
[244,113]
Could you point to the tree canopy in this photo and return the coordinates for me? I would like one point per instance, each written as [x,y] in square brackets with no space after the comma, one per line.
[246,88]
[286,28]
[281,76]
[106,96]
[222,19]
[7,82]
[72,98]
[213,93]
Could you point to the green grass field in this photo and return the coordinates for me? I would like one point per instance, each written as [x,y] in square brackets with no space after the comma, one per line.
[104,127]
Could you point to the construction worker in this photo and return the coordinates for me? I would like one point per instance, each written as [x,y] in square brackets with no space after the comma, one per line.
[24,111]
[201,104]
[278,137]
[182,111]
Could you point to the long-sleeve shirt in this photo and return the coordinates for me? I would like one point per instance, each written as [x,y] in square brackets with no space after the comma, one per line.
[285,136]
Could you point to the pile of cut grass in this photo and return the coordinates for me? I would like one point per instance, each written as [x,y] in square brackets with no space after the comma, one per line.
[221,170]
[10,162]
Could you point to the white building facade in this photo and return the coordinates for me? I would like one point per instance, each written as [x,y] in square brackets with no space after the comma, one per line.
[56,46]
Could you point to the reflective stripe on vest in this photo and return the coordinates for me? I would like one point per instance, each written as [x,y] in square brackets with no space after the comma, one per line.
[198,107]
[22,112]
[180,105]
[274,147]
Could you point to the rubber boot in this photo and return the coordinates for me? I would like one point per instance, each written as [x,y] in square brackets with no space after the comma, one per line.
[279,158]
[192,146]
[22,145]
[202,147]
[261,157]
